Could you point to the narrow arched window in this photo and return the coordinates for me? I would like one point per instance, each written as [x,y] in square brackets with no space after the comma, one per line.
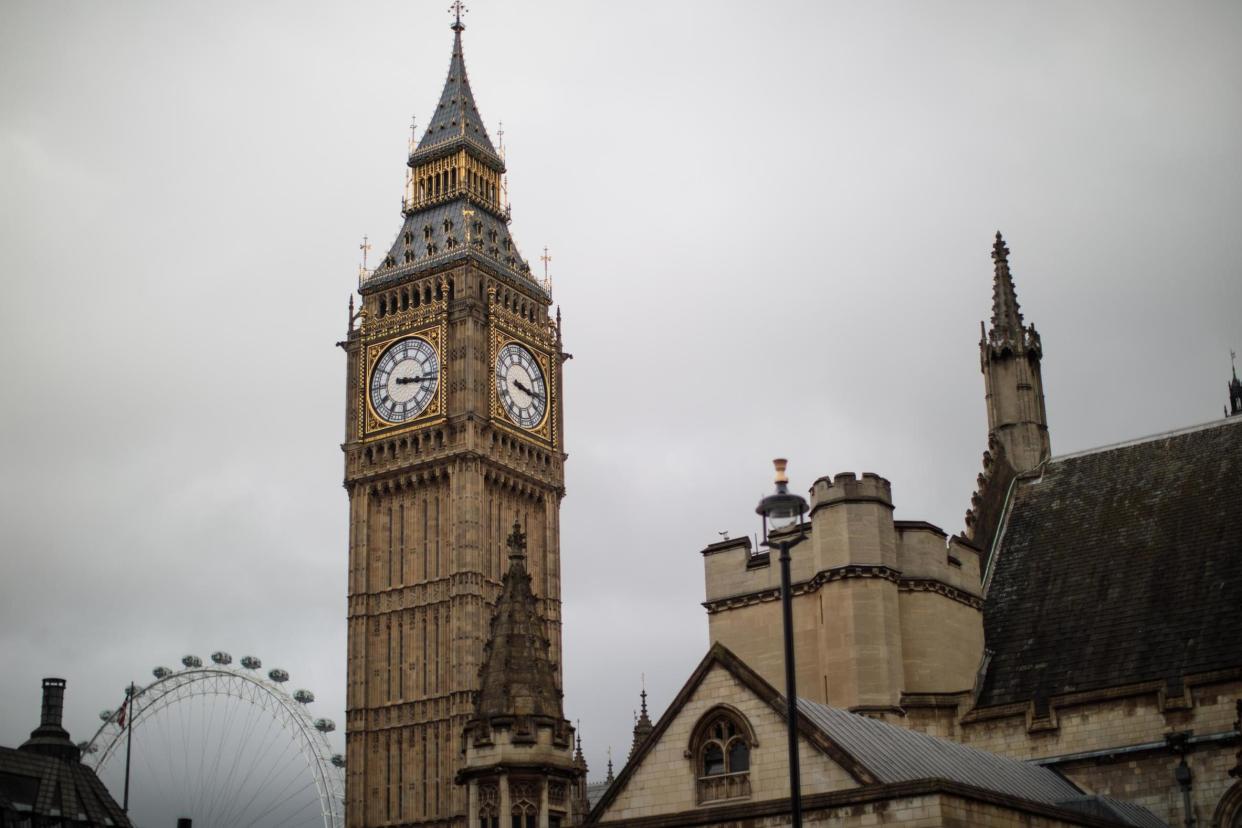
[721,750]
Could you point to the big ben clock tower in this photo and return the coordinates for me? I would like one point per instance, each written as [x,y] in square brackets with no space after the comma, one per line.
[453,430]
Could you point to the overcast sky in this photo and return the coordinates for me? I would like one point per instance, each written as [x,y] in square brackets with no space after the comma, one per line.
[770,230]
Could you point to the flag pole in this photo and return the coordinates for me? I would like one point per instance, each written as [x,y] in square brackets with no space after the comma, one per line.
[129,741]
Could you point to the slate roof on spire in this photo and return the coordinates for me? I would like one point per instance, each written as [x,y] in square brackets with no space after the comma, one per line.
[456,117]
[1006,315]
[516,678]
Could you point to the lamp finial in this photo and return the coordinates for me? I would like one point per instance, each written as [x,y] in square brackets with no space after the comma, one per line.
[780,463]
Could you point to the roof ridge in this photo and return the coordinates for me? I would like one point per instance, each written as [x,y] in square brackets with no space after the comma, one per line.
[1177,432]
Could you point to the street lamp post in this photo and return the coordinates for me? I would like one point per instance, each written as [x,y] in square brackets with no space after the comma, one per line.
[783,528]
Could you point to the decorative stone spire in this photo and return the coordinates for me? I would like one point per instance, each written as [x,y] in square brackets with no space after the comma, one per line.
[516,678]
[1009,356]
[1007,324]
[579,758]
[609,778]
[642,723]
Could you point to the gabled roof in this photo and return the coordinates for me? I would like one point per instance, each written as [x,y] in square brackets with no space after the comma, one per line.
[1118,566]
[876,753]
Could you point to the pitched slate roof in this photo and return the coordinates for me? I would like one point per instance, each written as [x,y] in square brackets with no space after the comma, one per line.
[457,116]
[1119,566]
[31,783]
[489,242]
[894,754]
[875,753]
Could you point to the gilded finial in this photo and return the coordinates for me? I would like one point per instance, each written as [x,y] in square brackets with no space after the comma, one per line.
[500,135]
[457,10]
[547,280]
[365,247]
[780,463]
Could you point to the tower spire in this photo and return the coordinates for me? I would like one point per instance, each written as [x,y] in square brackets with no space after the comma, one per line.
[1006,315]
[516,677]
[1010,354]
[457,116]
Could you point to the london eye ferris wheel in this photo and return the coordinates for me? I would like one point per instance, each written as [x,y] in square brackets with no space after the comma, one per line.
[224,745]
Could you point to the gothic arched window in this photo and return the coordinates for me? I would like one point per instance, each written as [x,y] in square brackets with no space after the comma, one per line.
[721,749]
[525,799]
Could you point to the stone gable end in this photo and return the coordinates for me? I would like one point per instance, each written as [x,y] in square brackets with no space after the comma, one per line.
[665,781]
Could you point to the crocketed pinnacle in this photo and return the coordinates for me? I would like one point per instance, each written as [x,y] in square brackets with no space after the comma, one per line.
[579,758]
[516,678]
[1006,315]
[456,117]
[642,724]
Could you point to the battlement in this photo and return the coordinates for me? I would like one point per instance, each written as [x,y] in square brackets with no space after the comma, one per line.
[880,607]
[846,487]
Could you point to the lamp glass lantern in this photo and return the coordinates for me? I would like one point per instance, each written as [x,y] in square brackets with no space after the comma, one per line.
[782,509]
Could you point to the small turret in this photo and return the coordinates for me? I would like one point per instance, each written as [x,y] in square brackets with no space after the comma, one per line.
[518,724]
[1009,356]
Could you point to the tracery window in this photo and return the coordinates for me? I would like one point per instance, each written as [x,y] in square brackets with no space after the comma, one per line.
[525,799]
[721,751]
[489,805]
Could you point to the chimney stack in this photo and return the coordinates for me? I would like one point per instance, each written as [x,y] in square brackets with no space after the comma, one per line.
[50,738]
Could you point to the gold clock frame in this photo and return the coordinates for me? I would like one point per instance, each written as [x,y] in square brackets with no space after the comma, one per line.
[507,327]
[370,424]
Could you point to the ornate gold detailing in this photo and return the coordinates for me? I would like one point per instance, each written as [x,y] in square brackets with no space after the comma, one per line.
[426,321]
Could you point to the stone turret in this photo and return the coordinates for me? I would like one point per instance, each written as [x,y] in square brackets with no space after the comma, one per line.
[885,611]
[1009,356]
[519,768]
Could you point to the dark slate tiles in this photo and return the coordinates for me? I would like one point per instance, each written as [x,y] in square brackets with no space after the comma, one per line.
[1119,566]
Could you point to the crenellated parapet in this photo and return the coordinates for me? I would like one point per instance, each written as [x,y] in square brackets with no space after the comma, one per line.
[882,608]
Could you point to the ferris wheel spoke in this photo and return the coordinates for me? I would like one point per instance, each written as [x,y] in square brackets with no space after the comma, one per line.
[259,759]
[308,801]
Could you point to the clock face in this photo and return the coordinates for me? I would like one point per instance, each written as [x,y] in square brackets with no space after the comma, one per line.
[521,386]
[404,380]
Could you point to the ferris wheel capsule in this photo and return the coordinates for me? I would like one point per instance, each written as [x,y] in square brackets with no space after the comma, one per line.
[221,657]
[325,725]
[105,715]
[161,672]
[303,696]
[251,663]
[338,761]
[278,675]
[192,661]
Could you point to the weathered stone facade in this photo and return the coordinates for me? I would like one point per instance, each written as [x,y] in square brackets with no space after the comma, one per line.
[1090,612]
[855,771]
[433,491]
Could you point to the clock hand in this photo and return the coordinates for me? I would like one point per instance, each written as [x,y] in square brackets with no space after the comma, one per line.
[408,380]
[529,393]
